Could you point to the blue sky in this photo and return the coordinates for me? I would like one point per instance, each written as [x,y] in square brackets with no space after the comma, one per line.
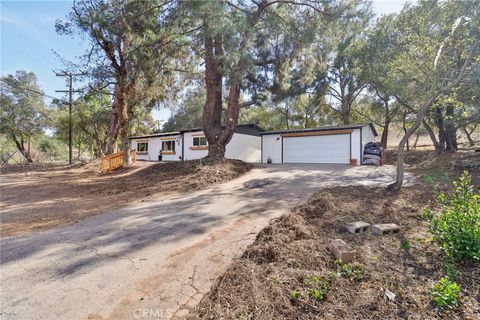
[28,40]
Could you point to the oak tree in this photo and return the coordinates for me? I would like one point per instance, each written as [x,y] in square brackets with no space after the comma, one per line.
[23,111]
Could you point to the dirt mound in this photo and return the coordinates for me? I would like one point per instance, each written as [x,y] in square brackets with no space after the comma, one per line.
[426,159]
[202,173]
[260,284]
[443,167]
[318,206]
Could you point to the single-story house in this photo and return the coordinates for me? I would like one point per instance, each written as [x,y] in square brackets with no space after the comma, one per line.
[334,144]
[192,144]
[250,143]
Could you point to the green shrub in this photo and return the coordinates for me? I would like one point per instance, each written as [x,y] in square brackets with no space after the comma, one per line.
[445,293]
[317,286]
[456,227]
[406,246]
[451,270]
[319,293]
[355,271]
[293,295]
[53,147]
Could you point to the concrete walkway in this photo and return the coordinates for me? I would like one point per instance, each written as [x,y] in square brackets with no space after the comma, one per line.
[155,261]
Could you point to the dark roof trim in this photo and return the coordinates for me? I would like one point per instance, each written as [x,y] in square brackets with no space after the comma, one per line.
[249,129]
[155,135]
[358,126]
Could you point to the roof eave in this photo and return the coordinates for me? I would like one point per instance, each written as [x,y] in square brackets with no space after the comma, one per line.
[317,129]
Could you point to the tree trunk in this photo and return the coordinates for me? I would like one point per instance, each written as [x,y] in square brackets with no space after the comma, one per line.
[113,132]
[29,146]
[216,151]
[217,136]
[405,129]
[124,92]
[287,118]
[21,147]
[345,112]
[124,96]
[469,137]
[441,128]
[386,125]
[416,140]
[212,111]
[450,130]
[388,119]
[127,160]
[398,184]
[429,129]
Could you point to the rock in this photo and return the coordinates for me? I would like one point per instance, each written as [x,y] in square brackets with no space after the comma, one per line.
[342,251]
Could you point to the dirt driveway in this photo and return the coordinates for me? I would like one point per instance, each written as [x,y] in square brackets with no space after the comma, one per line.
[155,260]
[45,196]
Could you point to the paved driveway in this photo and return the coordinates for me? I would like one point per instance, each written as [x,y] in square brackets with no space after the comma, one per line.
[155,261]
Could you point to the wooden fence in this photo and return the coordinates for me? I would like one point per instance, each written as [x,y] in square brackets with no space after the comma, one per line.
[115,160]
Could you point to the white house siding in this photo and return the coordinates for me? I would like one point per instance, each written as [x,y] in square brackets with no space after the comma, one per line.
[244,147]
[188,153]
[356,148]
[155,145]
[272,148]
[178,149]
[142,156]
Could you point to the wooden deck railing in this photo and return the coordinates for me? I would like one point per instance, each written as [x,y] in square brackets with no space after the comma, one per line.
[115,160]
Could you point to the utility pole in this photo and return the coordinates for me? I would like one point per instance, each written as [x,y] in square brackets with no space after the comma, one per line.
[70,92]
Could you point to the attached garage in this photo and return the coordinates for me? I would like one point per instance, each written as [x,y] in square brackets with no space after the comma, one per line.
[317,145]
[317,149]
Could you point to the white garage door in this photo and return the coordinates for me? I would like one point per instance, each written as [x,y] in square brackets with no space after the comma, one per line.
[317,149]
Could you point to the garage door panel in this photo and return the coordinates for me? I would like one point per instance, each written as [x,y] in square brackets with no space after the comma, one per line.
[317,149]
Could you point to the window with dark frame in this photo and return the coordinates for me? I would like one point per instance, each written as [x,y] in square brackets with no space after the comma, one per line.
[142,147]
[168,145]
[199,141]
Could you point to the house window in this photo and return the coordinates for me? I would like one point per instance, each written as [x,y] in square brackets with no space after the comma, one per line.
[142,147]
[168,146]
[199,141]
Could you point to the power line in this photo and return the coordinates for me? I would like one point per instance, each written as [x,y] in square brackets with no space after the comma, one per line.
[70,92]
[42,94]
